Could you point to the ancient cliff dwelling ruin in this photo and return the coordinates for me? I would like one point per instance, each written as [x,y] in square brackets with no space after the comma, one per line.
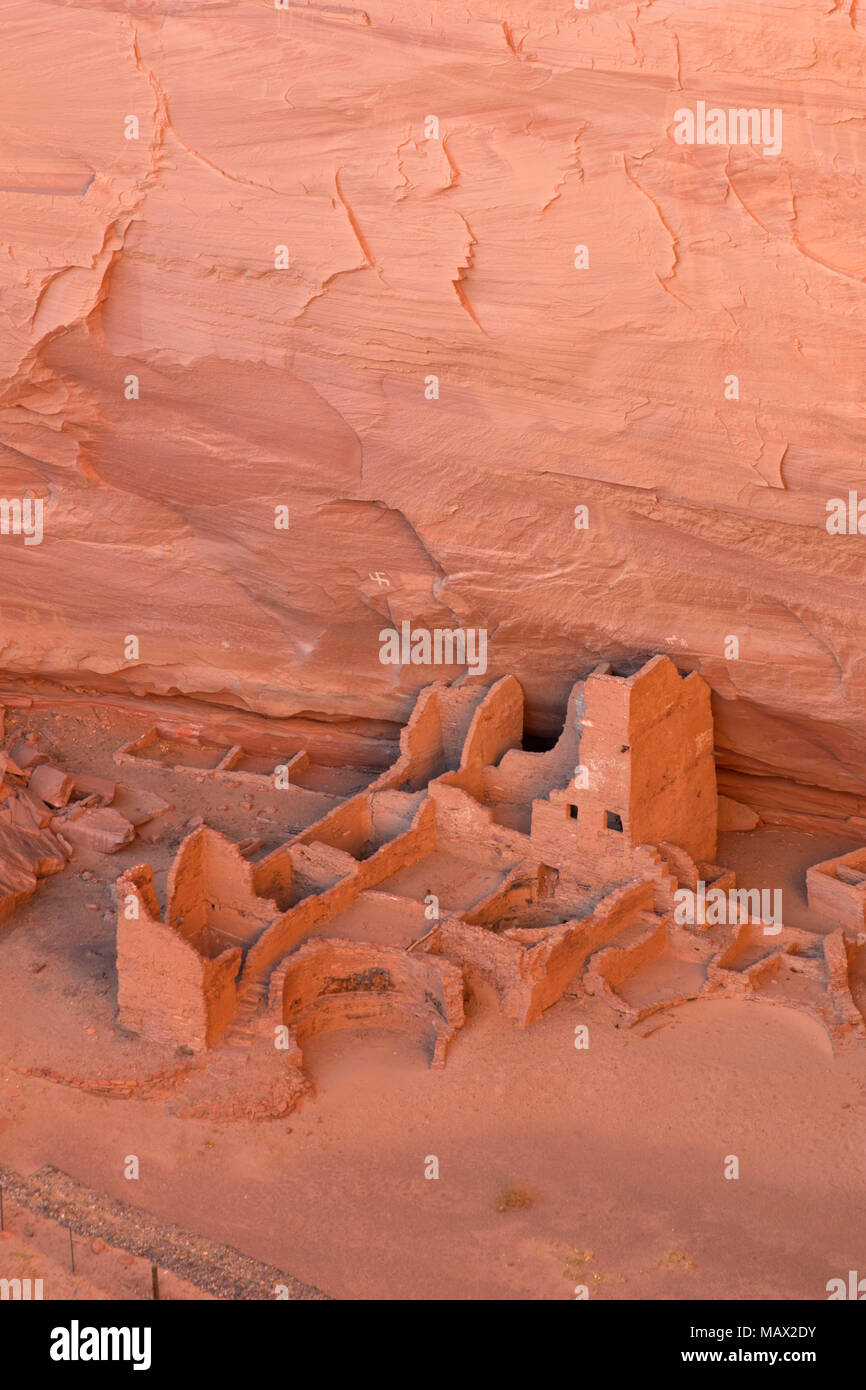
[405,889]
[432,694]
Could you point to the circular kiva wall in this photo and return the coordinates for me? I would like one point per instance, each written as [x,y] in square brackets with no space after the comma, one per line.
[347,984]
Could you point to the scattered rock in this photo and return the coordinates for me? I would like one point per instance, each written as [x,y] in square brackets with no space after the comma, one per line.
[26,754]
[139,806]
[87,785]
[733,815]
[51,784]
[100,828]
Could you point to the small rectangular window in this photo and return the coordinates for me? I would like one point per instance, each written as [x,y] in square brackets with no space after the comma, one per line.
[572,812]
[612,821]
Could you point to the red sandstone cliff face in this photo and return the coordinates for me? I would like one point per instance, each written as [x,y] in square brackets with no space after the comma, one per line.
[445,248]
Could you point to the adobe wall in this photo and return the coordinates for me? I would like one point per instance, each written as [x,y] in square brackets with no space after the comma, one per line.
[647,748]
[299,807]
[530,969]
[296,924]
[465,827]
[728,964]
[673,770]
[672,868]
[166,990]
[606,751]
[555,838]
[334,984]
[273,877]
[294,870]
[496,726]
[681,864]
[347,827]
[583,849]
[316,867]
[457,706]
[499,961]
[567,948]
[391,813]
[435,738]
[185,887]
[839,956]
[422,752]
[521,777]
[210,888]
[294,763]
[520,889]
[290,929]
[844,902]
[367,818]
[728,972]
[618,963]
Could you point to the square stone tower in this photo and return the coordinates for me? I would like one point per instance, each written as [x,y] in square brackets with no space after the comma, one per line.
[646,776]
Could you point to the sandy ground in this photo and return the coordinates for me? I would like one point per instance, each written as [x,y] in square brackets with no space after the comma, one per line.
[557,1167]
[618,1152]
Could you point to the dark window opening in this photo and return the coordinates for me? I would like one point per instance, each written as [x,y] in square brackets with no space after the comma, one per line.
[539,743]
[572,812]
[612,821]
